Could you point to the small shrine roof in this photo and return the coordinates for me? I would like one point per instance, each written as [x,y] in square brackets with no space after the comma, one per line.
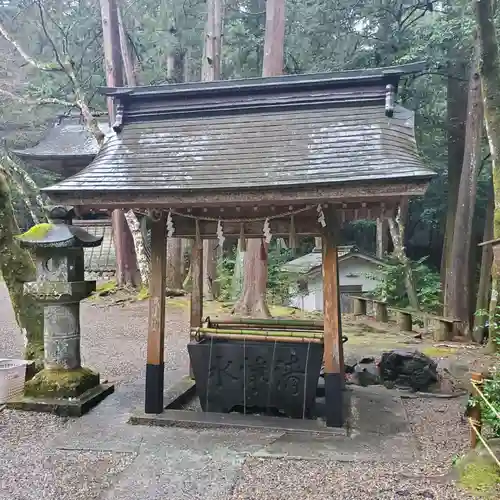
[262,134]
[313,260]
[67,144]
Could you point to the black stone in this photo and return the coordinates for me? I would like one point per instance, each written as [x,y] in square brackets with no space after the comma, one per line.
[254,376]
[408,369]
[350,363]
[154,388]
[366,360]
[367,374]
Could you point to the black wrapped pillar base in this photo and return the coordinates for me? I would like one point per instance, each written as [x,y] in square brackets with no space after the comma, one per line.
[264,377]
[154,388]
[334,396]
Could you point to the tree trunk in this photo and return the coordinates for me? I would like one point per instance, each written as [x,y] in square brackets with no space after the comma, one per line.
[132,221]
[382,238]
[253,298]
[490,81]
[129,66]
[210,70]
[483,291]
[457,113]
[253,301]
[210,289]
[174,263]
[186,245]
[127,273]
[17,267]
[134,227]
[396,228]
[274,40]
[237,279]
[457,289]
[126,261]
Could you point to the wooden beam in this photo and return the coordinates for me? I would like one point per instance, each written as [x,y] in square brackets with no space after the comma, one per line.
[334,354]
[138,198]
[155,367]
[306,223]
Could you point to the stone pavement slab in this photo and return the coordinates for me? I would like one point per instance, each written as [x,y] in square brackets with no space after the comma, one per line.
[105,428]
[177,474]
[186,464]
[378,431]
[363,447]
[375,409]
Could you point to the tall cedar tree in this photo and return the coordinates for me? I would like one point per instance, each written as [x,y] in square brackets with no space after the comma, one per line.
[127,272]
[490,81]
[253,298]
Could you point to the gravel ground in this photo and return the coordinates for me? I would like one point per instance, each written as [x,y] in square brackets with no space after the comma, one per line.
[28,471]
[114,343]
[324,480]
[441,434]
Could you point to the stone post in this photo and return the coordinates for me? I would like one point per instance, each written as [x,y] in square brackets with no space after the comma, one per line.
[58,250]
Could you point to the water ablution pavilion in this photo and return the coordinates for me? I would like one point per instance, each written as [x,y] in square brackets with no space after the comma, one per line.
[259,158]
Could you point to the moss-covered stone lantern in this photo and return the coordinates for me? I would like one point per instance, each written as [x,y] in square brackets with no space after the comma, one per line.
[60,286]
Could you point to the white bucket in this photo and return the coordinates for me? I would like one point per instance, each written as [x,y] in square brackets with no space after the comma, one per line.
[12,377]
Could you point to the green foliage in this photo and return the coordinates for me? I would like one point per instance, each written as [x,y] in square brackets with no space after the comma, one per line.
[481,478]
[491,390]
[492,322]
[278,282]
[225,272]
[362,234]
[391,287]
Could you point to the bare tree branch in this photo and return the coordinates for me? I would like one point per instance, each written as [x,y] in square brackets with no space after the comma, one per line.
[11,179]
[36,64]
[65,66]
[27,180]
[38,101]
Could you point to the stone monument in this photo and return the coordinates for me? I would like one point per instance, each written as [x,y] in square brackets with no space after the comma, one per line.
[63,386]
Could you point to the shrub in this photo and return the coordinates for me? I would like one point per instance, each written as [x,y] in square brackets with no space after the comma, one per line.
[392,289]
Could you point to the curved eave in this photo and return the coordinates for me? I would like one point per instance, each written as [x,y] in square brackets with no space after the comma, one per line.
[33,154]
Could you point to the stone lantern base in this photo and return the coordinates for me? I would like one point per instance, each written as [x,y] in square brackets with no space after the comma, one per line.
[67,393]
[61,383]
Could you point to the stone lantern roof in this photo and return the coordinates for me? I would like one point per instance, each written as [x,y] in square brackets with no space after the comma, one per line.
[58,233]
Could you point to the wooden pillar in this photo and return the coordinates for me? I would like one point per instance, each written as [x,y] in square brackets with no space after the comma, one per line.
[334,354]
[155,368]
[405,321]
[196,317]
[359,307]
[474,412]
[381,313]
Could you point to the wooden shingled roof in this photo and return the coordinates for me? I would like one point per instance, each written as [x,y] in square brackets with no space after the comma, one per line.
[66,148]
[216,141]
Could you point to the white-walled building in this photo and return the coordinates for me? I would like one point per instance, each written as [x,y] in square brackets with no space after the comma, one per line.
[357,274]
